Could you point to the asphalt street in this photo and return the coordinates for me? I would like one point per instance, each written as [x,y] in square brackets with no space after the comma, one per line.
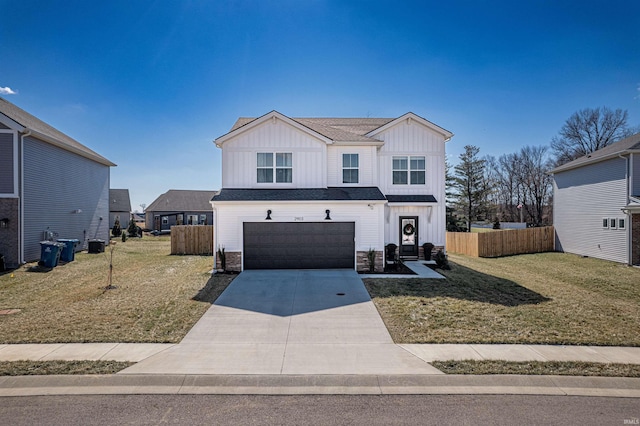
[318,410]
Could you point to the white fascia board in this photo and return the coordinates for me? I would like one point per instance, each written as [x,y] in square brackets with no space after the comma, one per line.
[273,115]
[411,116]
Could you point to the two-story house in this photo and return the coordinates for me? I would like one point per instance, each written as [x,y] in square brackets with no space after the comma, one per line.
[596,203]
[51,186]
[315,193]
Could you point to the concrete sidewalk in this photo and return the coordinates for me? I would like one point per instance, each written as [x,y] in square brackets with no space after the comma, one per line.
[136,352]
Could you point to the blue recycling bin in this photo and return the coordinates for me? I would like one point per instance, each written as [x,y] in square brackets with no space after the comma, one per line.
[68,249]
[49,253]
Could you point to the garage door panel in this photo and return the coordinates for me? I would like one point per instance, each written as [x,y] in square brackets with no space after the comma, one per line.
[298,245]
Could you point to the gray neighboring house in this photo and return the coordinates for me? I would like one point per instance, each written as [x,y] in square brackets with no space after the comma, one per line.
[50,186]
[596,203]
[119,207]
[179,207]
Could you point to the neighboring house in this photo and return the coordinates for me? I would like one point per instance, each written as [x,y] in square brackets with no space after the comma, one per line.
[179,207]
[596,203]
[50,186]
[322,192]
[119,207]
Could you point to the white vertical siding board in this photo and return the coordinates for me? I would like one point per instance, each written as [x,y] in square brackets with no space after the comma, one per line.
[582,198]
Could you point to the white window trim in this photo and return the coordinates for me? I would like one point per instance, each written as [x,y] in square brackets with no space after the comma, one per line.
[623,221]
[274,168]
[408,170]
[357,168]
[605,223]
[613,223]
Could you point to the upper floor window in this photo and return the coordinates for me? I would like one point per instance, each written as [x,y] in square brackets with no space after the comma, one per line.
[282,168]
[409,170]
[349,168]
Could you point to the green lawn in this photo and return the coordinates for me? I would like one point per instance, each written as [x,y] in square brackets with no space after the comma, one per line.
[158,297]
[546,298]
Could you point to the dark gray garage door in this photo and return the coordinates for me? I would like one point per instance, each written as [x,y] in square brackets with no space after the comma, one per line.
[299,245]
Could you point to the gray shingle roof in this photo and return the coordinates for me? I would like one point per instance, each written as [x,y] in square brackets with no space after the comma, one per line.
[119,200]
[31,122]
[411,198]
[301,194]
[632,143]
[182,200]
[336,129]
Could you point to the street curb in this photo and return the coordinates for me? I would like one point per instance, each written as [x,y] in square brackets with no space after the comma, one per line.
[319,385]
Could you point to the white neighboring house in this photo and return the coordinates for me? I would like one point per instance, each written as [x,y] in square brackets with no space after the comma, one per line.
[596,203]
[314,193]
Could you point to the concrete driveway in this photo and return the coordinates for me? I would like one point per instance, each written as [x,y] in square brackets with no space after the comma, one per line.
[288,322]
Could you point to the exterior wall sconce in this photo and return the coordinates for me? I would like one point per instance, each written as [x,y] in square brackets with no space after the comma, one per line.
[268,215]
[327,212]
[4,223]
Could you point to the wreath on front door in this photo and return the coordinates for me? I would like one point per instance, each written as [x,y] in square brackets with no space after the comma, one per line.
[408,229]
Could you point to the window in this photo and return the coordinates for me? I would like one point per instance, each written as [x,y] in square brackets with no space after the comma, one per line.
[409,170]
[203,219]
[612,223]
[165,220]
[621,224]
[605,223]
[283,169]
[349,168]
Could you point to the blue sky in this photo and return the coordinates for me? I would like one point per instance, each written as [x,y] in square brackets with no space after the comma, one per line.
[149,85]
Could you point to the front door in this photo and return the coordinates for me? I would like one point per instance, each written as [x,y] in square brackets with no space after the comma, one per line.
[408,236]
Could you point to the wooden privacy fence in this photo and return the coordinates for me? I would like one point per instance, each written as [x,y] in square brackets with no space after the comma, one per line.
[192,239]
[502,243]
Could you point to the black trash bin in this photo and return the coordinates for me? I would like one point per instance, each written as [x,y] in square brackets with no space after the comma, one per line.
[96,246]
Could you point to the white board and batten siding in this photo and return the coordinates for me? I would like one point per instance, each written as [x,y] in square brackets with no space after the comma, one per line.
[367,164]
[239,156]
[368,220]
[64,192]
[583,197]
[430,229]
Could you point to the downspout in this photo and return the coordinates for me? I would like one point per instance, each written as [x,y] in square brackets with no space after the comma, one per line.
[624,210]
[21,195]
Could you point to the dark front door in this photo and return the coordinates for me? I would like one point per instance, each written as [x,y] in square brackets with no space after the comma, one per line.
[299,245]
[408,236]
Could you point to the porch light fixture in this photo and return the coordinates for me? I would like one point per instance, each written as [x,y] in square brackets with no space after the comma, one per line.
[327,212]
[268,215]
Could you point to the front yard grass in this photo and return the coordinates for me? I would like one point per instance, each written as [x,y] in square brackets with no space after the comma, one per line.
[545,298]
[153,301]
[41,368]
[549,368]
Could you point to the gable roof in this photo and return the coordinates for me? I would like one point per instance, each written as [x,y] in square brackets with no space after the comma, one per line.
[622,147]
[119,200]
[335,130]
[182,200]
[24,122]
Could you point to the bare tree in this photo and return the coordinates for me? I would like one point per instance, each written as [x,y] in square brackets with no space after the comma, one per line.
[535,182]
[588,130]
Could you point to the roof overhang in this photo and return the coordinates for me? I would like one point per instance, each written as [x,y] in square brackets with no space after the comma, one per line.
[272,116]
[410,118]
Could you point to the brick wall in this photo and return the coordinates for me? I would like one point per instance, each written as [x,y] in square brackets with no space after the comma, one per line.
[362,262]
[635,239]
[234,261]
[9,235]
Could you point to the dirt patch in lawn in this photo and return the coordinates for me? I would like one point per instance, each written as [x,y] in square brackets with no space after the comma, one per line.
[547,298]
